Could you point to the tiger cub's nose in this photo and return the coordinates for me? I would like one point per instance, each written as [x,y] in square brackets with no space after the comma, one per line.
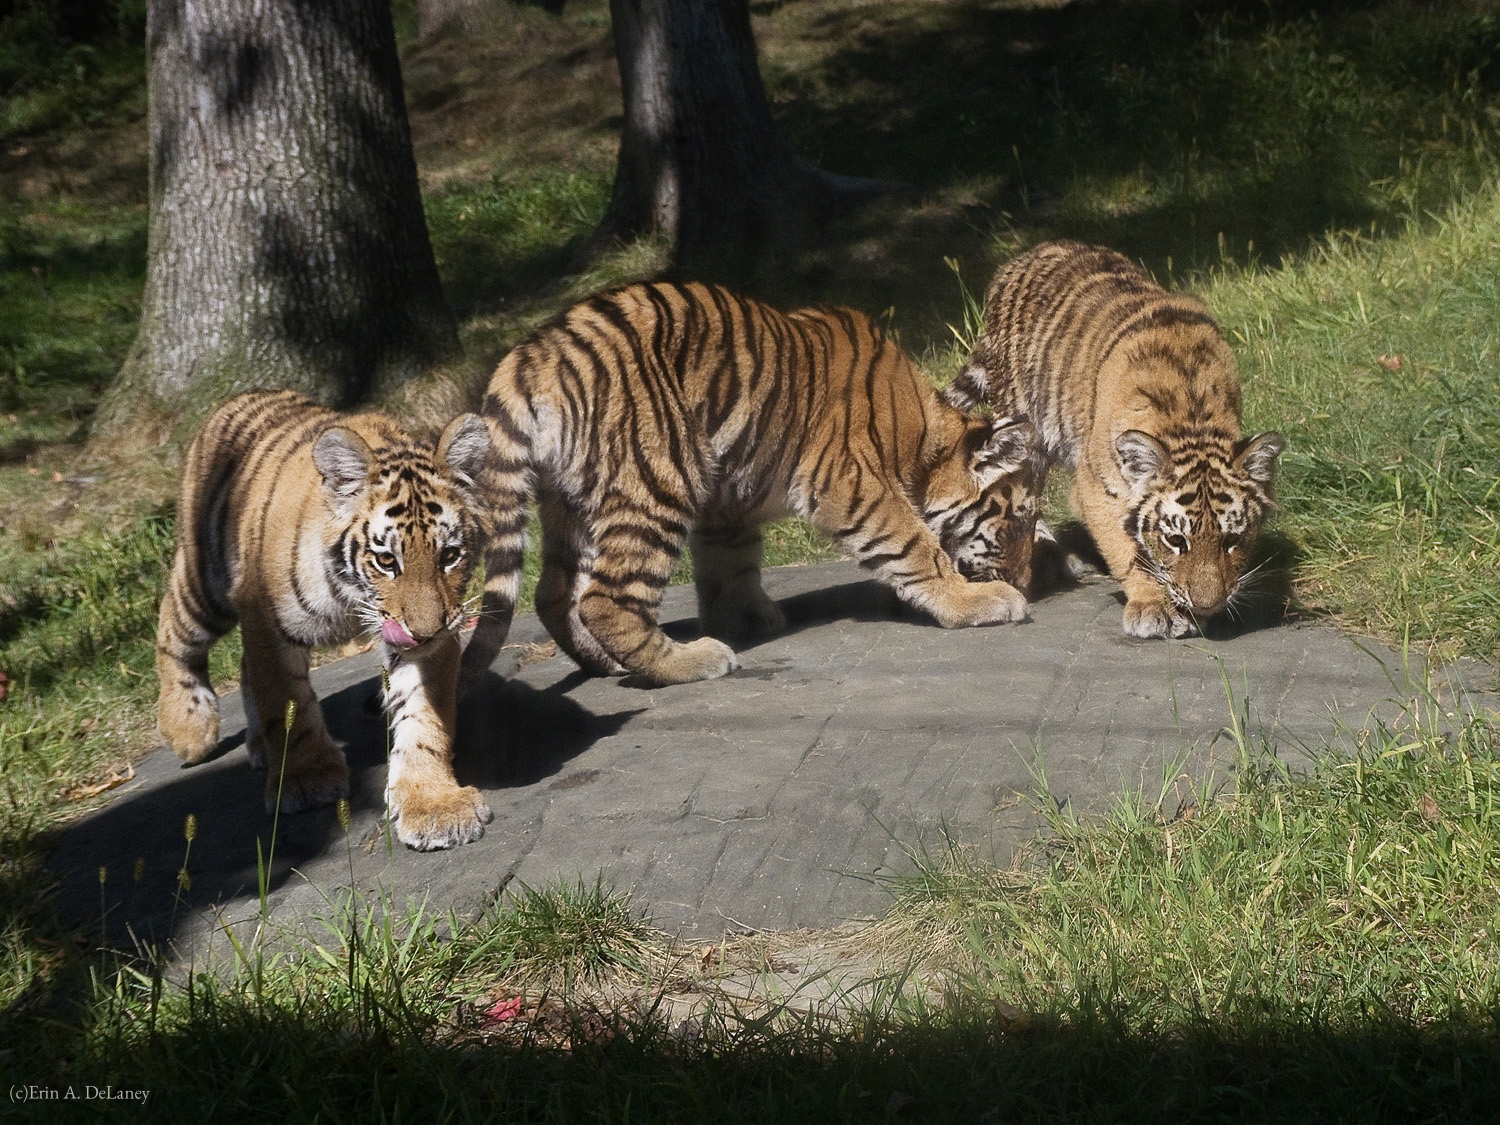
[1208,597]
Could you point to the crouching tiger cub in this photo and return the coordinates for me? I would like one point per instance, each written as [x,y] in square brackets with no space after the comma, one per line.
[1134,388]
[656,410]
[310,527]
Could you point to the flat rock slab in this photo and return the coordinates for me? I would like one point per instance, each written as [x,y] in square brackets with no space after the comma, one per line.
[772,799]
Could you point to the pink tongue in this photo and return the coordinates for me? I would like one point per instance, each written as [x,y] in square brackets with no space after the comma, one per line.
[394,633]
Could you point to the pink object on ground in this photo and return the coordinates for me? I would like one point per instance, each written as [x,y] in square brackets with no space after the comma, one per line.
[395,633]
[503,1010]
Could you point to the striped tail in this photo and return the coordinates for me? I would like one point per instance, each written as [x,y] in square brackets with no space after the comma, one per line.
[505,494]
[195,610]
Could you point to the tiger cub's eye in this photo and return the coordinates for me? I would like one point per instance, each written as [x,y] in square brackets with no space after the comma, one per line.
[385,561]
[1178,543]
[449,557]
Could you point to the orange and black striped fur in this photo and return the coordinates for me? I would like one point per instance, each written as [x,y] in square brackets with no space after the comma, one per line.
[1134,389]
[309,527]
[656,410]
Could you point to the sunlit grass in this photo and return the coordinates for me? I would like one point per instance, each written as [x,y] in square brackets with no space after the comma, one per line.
[77,626]
[1317,947]
[1368,884]
[513,234]
[556,936]
[1378,359]
[1312,948]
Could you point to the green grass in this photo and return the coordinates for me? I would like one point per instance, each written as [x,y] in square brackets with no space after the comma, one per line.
[1389,487]
[72,241]
[70,283]
[1309,948]
[511,235]
[1366,886]
[48,82]
[1156,126]
[77,631]
[1318,948]
[556,937]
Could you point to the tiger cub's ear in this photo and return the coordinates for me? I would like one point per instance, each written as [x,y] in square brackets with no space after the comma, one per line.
[463,447]
[1008,445]
[1140,457]
[1257,456]
[343,460]
[968,390]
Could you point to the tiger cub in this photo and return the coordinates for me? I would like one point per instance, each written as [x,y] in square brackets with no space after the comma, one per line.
[658,410]
[309,527]
[1134,389]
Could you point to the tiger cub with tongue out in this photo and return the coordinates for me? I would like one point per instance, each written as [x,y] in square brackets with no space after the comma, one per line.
[307,528]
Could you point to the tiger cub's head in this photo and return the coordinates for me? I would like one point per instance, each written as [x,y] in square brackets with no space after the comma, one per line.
[407,535]
[983,501]
[1194,511]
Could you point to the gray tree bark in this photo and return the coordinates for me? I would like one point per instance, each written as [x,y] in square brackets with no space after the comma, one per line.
[286,241]
[700,160]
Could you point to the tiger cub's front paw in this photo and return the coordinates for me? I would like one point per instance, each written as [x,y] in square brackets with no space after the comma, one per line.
[190,728]
[432,818]
[311,780]
[703,659]
[1154,617]
[966,604]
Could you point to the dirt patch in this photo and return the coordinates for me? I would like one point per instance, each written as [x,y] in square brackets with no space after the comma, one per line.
[536,91]
[106,165]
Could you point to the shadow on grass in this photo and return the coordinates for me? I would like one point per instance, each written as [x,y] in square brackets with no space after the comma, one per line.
[69,253]
[1181,133]
[973,1064]
[1268,102]
[68,306]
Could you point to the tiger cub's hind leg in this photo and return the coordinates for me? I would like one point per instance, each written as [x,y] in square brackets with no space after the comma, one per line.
[732,605]
[567,562]
[255,745]
[619,606]
[304,766]
[187,710]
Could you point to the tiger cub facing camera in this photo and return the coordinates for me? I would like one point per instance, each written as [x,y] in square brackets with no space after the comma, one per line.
[658,413]
[1133,388]
[309,527]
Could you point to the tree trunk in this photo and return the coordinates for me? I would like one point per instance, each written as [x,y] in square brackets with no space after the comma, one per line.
[700,160]
[286,242]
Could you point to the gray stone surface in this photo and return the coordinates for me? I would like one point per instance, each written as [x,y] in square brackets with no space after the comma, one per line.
[766,800]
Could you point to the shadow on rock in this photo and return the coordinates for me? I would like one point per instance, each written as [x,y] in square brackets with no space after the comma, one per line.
[867,600]
[510,734]
[131,871]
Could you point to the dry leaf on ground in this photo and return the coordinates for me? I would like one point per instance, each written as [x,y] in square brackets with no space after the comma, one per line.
[113,781]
